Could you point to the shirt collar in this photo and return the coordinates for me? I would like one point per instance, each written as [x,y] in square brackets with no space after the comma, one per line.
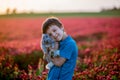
[65,40]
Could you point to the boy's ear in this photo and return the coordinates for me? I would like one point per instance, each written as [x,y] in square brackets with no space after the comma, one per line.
[62,28]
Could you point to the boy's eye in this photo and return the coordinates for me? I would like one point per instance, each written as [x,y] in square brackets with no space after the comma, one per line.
[50,34]
[54,30]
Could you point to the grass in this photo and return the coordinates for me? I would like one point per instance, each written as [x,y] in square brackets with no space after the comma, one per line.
[114,13]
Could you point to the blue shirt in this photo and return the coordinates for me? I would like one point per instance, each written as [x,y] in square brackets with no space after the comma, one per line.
[69,51]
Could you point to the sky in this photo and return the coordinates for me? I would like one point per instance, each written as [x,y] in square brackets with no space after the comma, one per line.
[58,5]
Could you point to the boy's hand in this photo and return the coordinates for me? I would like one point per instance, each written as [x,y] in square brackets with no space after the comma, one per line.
[45,56]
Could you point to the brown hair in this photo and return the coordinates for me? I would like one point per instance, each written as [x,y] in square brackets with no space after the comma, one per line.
[50,21]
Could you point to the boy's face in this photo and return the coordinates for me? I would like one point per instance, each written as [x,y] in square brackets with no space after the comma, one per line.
[55,32]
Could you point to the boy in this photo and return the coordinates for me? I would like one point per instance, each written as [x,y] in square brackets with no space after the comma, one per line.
[64,65]
[50,47]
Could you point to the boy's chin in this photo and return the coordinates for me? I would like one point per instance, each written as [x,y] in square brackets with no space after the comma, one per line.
[56,40]
[59,39]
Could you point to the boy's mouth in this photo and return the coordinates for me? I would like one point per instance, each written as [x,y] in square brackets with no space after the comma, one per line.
[56,37]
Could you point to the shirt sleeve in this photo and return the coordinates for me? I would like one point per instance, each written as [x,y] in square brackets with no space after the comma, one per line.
[56,52]
[66,52]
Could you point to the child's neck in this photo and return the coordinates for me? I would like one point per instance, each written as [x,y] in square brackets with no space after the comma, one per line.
[64,35]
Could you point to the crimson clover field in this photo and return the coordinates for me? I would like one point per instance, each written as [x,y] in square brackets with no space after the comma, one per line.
[98,40]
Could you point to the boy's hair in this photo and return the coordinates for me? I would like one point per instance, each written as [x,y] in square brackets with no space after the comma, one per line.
[50,21]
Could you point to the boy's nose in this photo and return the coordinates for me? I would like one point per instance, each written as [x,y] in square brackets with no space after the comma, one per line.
[53,34]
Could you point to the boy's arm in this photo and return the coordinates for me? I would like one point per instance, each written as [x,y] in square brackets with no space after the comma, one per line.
[58,61]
